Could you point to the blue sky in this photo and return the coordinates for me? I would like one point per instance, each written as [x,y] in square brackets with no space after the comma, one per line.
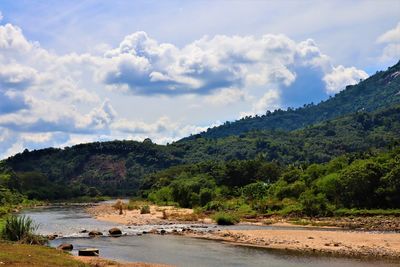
[80,71]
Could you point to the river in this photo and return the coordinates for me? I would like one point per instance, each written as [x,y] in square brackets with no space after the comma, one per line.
[69,221]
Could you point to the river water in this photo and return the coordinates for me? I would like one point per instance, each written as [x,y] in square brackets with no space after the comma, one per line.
[69,221]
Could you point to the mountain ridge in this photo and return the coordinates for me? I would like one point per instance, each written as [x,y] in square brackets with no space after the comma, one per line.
[361,96]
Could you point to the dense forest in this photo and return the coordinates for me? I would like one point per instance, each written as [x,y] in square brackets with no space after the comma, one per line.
[116,168]
[280,161]
[362,181]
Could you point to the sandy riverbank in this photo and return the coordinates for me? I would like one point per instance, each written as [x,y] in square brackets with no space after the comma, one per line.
[308,239]
[346,243]
[157,215]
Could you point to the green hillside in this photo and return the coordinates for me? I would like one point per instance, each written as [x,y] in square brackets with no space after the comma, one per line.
[115,168]
[379,90]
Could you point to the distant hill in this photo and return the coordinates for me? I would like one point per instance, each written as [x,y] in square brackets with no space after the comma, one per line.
[379,90]
[117,167]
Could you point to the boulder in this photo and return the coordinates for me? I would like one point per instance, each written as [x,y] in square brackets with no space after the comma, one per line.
[88,252]
[115,232]
[95,233]
[65,246]
[83,231]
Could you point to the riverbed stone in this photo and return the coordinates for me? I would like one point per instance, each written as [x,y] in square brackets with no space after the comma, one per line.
[115,232]
[65,246]
[95,233]
[88,252]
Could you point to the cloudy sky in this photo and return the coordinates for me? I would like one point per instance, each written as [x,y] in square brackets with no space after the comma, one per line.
[77,71]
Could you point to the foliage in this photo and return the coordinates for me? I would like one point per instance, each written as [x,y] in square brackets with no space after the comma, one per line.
[145,209]
[20,228]
[361,181]
[223,218]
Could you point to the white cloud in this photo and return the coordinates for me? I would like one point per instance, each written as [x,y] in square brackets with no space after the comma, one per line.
[390,36]
[227,96]
[15,76]
[269,101]
[391,42]
[341,76]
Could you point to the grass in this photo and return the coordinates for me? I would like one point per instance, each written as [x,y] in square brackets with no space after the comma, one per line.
[21,229]
[21,255]
[145,209]
[365,212]
[222,218]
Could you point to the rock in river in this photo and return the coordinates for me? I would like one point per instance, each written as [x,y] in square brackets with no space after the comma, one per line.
[95,233]
[115,232]
[88,252]
[65,246]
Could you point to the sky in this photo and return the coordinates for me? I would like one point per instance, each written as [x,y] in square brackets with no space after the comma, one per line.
[75,71]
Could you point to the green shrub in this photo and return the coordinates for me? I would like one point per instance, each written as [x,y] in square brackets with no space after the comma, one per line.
[21,228]
[314,204]
[223,218]
[145,209]
[205,196]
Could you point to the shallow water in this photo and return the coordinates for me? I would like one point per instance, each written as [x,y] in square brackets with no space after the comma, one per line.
[176,250]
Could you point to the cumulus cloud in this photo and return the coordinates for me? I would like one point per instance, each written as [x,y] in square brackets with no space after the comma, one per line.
[141,65]
[201,67]
[341,76]
[227,96]
[269,101]
[15,76]
[391,42]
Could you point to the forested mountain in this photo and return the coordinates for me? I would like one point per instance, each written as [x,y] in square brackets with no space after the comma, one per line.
[372,122]
[379,90]
[115,168]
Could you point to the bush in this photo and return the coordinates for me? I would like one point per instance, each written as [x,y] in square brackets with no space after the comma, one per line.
[145,209]
[21,228]
[223,218]
[206,196]
[314,204]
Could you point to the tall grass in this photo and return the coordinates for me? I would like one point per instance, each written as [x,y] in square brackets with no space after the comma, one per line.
[22,229]
[145,209]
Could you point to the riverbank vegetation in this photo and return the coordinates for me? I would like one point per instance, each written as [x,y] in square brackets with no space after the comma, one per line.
[21,229]
[361,184]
